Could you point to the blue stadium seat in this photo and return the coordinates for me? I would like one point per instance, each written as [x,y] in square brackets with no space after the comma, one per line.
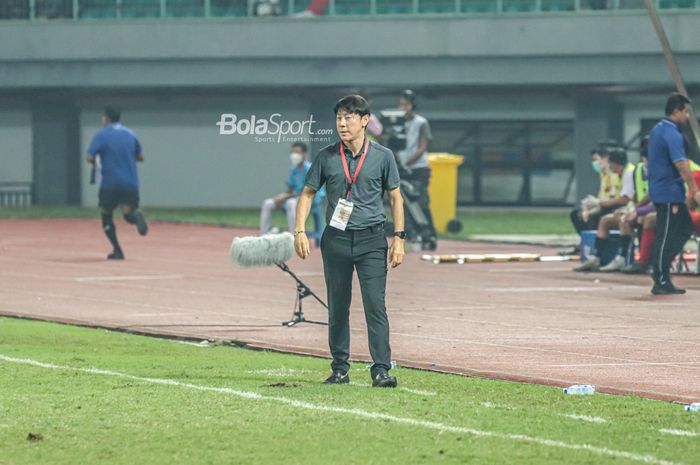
[352,7]
[437,6]
[519,5]
[478,6]
[185,8]
[671,4]
[558,5]
[394,7]
[140,8]
[229,8]
[98,9]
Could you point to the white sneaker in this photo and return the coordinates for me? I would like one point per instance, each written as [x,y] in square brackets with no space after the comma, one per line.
[592,264]
[616,264]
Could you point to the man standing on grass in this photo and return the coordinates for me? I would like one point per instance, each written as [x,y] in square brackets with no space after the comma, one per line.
[668,168]
[119,150]
[356,173]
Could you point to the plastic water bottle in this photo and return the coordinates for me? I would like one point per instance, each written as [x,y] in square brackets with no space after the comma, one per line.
[393,364]
[580,390]
[694,407]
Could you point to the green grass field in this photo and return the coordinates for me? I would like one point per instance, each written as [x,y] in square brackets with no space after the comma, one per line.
[98,397]
[475,222]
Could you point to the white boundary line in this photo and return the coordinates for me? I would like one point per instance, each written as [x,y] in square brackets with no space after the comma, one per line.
[648,459]
[679,432]
[587,418]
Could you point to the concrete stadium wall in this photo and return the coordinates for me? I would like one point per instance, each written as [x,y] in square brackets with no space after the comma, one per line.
[585,49]
[15,145]
[188,164]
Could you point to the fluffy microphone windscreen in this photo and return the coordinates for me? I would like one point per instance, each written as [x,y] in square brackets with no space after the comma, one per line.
[265,250]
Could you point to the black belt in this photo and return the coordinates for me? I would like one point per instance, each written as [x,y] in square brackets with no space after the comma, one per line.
[372,229]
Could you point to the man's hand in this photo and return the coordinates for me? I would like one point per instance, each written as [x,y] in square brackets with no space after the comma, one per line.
[396,252]
[301,245]
[585,214]
[631,215]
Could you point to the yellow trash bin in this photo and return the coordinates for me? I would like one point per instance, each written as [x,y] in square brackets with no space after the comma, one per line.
[443,188]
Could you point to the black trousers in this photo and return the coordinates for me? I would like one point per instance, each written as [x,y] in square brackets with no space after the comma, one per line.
[364,251]
[672,232]
[592,222]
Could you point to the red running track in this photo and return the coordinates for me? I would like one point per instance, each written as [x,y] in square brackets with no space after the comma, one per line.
[531,322]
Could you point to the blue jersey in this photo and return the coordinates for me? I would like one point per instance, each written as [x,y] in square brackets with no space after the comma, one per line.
[118,148]
[666,146]
[295,180]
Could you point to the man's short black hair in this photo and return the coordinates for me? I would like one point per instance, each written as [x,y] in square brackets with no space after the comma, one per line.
[410,97]
[618,156]
[601,151]
[113,114]
[352,104]
[675,102]
[301,146]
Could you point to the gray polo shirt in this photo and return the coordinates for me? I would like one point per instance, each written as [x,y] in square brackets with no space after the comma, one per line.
[378,174]
[417,129]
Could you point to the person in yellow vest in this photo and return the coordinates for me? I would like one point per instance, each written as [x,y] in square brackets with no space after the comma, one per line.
[643,215]
[625,171]
[592,209]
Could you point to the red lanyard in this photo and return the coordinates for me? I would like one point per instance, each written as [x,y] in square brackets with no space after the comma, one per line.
[352,180]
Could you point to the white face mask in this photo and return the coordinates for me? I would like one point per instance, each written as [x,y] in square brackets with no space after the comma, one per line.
[296,158]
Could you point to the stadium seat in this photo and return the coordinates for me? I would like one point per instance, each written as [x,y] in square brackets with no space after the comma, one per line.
[98,9]
[478,6]
[558,5]
[437,6]
[671,4]
[185,8]
[394,7]
[352,7]
[519,5]
[140,8]
[229,8]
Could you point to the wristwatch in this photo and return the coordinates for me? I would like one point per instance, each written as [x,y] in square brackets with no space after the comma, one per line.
[400,234]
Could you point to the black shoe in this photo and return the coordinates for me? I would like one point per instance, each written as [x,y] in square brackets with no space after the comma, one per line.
[338,378]
[667,289]
[141,224]
[382,379]
[116,255]
[635,268]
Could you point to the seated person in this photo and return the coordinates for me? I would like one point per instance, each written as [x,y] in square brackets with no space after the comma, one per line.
[592,208]
[644,215]
[648,221]
[288,199]
[625,170]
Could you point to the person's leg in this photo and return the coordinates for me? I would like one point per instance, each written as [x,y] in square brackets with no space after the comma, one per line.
[681,229]
[424,200]
[661,255]
[108,202]
[370,256]
[131,212]
[576,220]
[336,249]
[110,231]
[268,207]
[646,244]
[291,207]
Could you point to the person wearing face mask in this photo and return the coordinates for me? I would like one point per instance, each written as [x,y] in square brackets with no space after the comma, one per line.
[288,199]
[592,208]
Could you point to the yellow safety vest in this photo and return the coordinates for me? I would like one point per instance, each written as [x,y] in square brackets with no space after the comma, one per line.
[641,185]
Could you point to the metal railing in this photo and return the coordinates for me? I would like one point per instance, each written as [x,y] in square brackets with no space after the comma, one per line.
[133,9]
[15,195]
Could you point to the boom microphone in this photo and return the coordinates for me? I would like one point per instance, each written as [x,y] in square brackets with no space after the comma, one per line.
[268,250]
